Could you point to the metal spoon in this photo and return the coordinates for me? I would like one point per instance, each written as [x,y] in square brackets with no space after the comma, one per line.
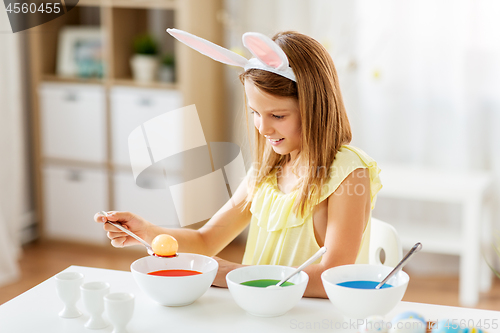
[130,233]
[417,247]
[309,261]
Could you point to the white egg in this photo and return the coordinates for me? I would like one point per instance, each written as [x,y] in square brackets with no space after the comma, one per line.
[410,325]
[408,315]
[374,324]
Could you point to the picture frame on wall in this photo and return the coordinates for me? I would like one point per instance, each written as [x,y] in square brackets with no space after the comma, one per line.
[80,52]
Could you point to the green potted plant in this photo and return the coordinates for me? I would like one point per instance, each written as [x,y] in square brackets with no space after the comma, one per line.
[144,62]
[167,68]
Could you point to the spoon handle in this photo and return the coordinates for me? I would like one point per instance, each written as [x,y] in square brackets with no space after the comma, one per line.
[128,232]
[309,261]
[417,247]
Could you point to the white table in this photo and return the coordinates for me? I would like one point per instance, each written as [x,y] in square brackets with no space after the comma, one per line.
[37,311]
[468,189]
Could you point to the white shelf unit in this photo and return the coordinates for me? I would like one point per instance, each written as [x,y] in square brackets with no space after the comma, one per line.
[80,125]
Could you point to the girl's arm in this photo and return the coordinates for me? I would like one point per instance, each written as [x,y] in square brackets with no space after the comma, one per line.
[348,212]
[209,240]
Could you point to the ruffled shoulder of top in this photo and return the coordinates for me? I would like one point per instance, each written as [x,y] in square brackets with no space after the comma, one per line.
[348,159]
[273,208]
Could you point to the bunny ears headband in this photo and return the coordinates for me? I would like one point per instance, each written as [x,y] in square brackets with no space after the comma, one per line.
[267,54]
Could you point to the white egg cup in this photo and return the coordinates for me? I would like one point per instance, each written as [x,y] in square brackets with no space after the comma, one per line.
[68,288]
[93,298]
[119,309]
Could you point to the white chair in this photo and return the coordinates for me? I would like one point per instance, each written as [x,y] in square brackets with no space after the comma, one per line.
[472,193]
[383,236]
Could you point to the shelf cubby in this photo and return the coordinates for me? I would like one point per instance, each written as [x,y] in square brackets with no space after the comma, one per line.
[49,34]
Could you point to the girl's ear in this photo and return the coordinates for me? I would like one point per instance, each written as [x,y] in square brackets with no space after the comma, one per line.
[209,49]
[266,50]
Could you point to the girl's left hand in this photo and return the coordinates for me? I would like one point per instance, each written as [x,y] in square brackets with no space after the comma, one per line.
[224,268]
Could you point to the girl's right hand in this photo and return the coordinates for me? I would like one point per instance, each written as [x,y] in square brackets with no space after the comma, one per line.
[132,222]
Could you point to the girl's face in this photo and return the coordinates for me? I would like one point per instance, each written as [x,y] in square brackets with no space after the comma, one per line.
[276,118]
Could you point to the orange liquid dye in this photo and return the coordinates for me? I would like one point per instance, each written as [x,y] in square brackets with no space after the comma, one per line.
[175,272]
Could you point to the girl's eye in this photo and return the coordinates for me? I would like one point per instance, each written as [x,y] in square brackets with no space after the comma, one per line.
[256,113]
[278,117]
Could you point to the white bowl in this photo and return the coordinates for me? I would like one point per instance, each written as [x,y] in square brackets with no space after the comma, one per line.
[175,290]
[361,303]
[266,302]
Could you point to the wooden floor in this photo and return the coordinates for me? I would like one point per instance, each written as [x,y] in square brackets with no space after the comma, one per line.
[41,260]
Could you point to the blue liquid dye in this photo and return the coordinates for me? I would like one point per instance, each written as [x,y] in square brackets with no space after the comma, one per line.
[362,284]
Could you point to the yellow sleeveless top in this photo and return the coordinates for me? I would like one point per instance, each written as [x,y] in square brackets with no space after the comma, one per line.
[278,237]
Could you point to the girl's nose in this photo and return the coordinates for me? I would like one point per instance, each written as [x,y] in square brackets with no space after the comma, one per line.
[264,128]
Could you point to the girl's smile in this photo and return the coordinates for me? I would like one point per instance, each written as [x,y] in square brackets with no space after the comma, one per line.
[276,118]
[275,142]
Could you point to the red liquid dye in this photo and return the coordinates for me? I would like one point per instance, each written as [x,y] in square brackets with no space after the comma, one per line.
[175,272]
[172,256]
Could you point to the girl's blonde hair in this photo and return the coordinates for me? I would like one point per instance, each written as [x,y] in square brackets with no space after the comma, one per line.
[324,124]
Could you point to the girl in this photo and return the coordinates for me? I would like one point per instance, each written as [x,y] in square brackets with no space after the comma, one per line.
[307,188]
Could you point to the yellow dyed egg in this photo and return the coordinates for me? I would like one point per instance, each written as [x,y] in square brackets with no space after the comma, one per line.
[164,245]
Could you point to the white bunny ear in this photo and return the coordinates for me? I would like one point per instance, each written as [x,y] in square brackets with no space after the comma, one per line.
[266,50]
[209,49]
